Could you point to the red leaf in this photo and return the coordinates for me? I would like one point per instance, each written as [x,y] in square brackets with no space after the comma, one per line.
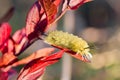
[20,39]
[3,75]
[5,31]
[6,45]
[7,59]
[36,18]
[72,53]
[9,46]
[39,65]
[50,9]
[73,4]
[18,35]
[8,56]
[31,76]
[57,2]
[42,13]
[78,56]
[38,54]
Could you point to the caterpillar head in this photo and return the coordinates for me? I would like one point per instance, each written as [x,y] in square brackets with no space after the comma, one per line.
[71,42]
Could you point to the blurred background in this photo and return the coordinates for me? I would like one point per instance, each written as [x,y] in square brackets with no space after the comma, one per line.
[97,22]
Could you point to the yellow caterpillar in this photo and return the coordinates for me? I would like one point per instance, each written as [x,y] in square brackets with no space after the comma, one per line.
[69,41]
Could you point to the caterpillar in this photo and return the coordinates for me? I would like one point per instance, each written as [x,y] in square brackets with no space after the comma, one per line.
[69,41]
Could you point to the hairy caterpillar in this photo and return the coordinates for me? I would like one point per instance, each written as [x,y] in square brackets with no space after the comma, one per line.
[69,41]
